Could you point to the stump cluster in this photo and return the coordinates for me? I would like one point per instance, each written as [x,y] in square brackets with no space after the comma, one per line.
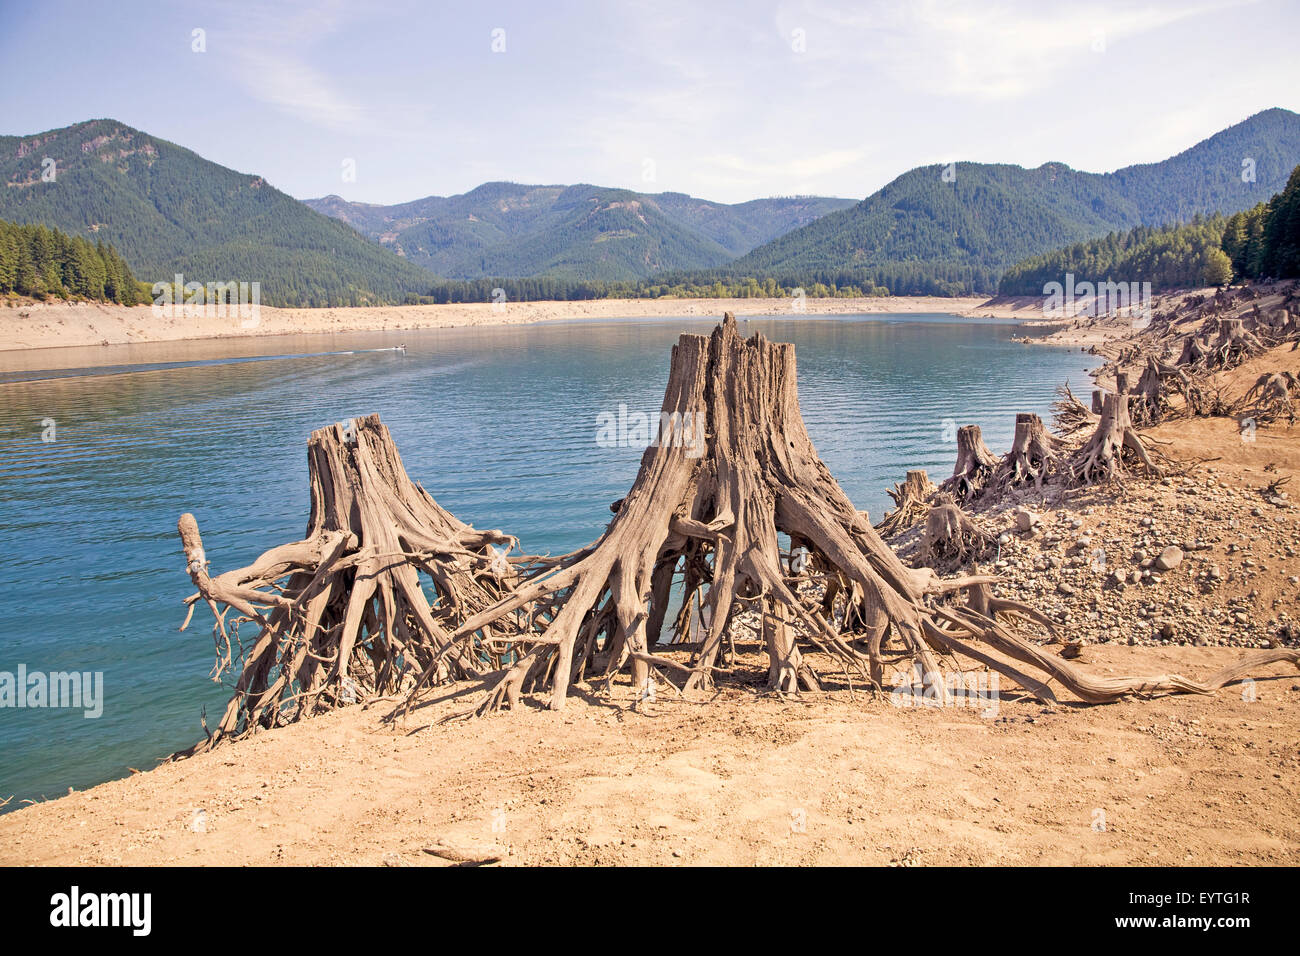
[388,594]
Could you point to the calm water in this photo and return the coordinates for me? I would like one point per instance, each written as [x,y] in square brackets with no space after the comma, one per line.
[499,424]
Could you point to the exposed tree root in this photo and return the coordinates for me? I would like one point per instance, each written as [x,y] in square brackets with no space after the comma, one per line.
[912,499]
[1271,397]
[951,536]
[720,514]
[1233,346]
[343,614]
[1102,457]
[974,467]
[1150,403]
[1034,451]
[1070,415]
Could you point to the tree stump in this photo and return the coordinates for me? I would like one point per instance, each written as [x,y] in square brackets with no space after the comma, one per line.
[343,613]
[1033,453]
[1101,457]
[975,464]
[912,499]
[723,507]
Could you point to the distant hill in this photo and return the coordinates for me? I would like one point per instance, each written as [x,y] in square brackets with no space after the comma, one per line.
[168,210]
[575,232]
[925,229]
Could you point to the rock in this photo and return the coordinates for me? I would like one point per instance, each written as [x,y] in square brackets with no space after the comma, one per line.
[1025,519]
[1065,589]
[1169,558]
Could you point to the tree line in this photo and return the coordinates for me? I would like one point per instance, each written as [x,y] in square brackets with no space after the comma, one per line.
[45,263]
[1264,242]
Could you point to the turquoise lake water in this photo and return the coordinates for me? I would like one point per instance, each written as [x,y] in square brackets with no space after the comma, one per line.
[499,424]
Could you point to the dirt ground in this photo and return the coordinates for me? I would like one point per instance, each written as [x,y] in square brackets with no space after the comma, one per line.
[749,780]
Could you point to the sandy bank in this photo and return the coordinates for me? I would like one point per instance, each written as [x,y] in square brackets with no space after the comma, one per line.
[746,780]
[42,326]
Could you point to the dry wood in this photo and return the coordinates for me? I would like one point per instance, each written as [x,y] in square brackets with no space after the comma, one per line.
[1034,451]
[974,467]
[759,476]
[343,614]
[1102,457]
[912,499]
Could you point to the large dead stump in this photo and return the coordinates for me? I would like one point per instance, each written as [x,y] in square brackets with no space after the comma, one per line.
[343,615]
[732,470]
[1034,451]
[1271,396]
[1233,346]
[975,465]
[951,535]
[912,500]
[1101,458]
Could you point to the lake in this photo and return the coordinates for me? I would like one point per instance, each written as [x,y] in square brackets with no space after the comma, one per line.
[498,423]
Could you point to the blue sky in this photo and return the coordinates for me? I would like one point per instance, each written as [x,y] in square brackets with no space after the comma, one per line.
[729,101]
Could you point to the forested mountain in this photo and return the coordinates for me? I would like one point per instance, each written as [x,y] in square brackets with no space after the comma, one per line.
[577,232]
[1260,242]
[168,210]
[934,230]
[972,221]
[40,262]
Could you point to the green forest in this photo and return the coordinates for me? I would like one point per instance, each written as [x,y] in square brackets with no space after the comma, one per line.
[1169,257]
[1264,242]
[44,263]
[168,210]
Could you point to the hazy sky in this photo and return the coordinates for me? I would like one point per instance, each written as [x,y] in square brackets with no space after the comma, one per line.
[729,101]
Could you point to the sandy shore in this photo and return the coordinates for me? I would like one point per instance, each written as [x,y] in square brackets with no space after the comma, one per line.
[745,780]
[43,326]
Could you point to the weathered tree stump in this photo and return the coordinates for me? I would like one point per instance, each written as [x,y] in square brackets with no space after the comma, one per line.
[343,617]
[951,535]
[1101,457]
[341,614]
[912,499]
[974,467]
[1233,346]
[1271,396]
[1034,451]
[757,476]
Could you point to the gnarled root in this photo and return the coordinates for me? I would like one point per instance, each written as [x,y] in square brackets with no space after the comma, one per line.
[974,467]
[1271,396]
[342,615]
[912,499]
[1033,453]
[1070,415]
[951,535]
[1102,457]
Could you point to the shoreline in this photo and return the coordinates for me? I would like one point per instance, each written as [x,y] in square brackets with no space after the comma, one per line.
[48,326]
[1191,618]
